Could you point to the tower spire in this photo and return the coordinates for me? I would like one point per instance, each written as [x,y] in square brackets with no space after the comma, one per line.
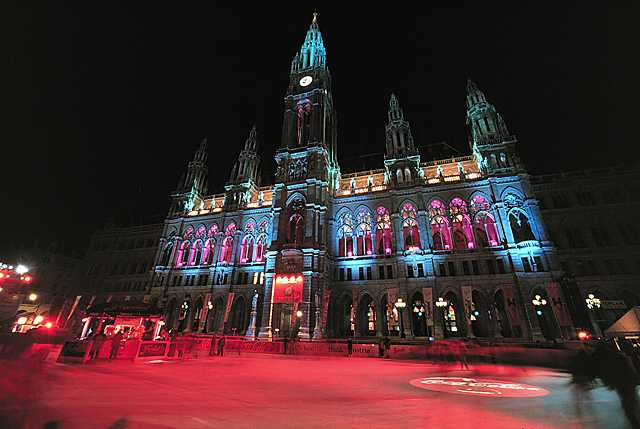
[312,53]
[492,144]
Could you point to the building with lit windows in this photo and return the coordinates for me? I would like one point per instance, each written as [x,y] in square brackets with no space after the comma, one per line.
[318,253]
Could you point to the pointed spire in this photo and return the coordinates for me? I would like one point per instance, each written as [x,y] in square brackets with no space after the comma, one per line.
[395,112]
[201,153]
[474,94]
[251,142]
[312,53]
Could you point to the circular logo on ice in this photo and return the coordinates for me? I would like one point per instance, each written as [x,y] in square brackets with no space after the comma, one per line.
[479,387]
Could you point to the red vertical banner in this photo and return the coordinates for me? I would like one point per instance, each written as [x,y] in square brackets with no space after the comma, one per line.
[326,296]
[227,309]
[555,298]
[467,300]
[427,295]
[511,305]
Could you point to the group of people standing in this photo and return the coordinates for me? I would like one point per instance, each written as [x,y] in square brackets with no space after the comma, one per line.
[98,340]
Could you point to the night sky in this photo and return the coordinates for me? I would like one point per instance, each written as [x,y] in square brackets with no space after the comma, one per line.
[105,104]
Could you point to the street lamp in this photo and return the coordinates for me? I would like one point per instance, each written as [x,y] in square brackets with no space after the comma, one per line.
[33,297]
[442,304]
[299,314]
[593,304]
[538,302]
[400,305]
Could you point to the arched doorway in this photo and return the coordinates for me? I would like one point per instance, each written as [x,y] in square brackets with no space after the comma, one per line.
[366,316]
[238,317]
[479,315]
[342,323]
[544,314]
[418,316]
[453,319]
[196,315]
[503,326]
[216,316]
[170,315]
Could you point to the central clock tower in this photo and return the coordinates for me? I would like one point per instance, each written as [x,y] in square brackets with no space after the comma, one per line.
[307,177]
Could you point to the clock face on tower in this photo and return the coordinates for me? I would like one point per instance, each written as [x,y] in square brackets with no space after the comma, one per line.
[306,81]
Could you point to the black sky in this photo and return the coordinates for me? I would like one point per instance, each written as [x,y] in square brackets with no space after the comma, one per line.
[104,104]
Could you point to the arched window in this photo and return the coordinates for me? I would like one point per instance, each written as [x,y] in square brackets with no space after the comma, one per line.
[407,174]
[183,254]
[399,176]
[363,233]
[188,233]
[520,226]
[486,233]
[345,235]
[410,227]
[439,226]
[196,253]
[166,253]
[227,249]
[260,247]
[246,254]
[209,250]
[227,244]
[461,224]
[296,221]
[384,244]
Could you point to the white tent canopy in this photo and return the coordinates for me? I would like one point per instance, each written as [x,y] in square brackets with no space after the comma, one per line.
[627,325]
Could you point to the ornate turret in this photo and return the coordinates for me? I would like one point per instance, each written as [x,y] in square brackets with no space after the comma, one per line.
[312,53]
[245,175]
[193,183]
[402,160]
[490,140]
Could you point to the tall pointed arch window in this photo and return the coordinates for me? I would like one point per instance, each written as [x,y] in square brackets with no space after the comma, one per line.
[261,241]
[166,253]
[296,221]
[209,250]
[410,230]
[183,254]
[439,226]
[520,226]
[246,254]
[461,229]
[484,228]
[196,253]
[363,231]
[384,244]
[227,244]
[345,235]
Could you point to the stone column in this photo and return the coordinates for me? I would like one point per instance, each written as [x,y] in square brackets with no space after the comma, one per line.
[426,241]
[267,307]
[317,330]
[398,238]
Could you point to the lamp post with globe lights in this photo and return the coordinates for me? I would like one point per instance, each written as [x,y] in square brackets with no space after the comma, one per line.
[400,305]
[593,305]
[442,304]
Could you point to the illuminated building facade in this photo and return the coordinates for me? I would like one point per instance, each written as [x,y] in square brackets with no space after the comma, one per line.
[318,253]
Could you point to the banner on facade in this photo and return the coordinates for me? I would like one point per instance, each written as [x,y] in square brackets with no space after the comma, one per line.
[467,300]
[287,288]
[326,296]
[427,295]
[510,305]
[227,309]
[555,300]
[205,311]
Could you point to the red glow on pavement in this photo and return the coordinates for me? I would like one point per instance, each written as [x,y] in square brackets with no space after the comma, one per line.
[479,387]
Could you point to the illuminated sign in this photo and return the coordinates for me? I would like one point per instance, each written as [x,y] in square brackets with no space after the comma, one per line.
[479,387]
[288,288]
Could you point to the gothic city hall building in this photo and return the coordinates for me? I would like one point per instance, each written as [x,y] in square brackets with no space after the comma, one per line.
[447,248]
